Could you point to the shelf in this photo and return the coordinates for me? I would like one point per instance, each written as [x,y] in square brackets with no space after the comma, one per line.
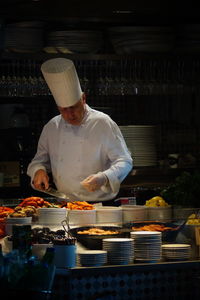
[40,56]
[150,177]
[137,12]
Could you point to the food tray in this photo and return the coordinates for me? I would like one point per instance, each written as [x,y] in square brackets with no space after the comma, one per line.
[94,242]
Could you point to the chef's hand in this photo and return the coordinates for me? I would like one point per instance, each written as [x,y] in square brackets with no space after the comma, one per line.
[41,180]
[94,182]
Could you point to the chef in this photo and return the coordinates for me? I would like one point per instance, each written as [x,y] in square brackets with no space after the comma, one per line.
[81,147]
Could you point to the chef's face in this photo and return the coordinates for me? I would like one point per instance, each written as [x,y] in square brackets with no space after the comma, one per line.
[74,114]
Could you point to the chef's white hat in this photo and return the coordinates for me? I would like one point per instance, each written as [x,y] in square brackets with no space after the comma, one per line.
[62,80]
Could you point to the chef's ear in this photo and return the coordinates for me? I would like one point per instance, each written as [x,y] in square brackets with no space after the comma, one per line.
[83,97]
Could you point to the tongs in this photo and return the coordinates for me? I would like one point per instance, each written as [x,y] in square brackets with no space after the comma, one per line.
[71,240]
[55,193]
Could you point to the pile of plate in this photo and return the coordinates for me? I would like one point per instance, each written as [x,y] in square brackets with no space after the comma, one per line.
[120,251]
[73,41]
[147,246]
[51,216]
[24,37]
[141,142]
[188,38]
[92,258]
[130,39]
[176,251]
[81,217]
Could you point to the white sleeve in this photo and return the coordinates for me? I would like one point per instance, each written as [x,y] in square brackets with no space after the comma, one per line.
[121,162]
[41,159]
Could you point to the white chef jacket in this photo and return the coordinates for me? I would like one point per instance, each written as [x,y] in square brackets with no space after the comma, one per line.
[72,153]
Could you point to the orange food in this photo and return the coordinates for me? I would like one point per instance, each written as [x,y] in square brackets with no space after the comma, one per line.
[2,227]
[34,201]
[98,231]
[78,205]
[153,227]
[5,211]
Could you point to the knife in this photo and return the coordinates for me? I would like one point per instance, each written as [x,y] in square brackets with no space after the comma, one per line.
[51,191]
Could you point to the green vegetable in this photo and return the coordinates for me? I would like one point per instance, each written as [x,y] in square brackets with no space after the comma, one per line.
[185,191]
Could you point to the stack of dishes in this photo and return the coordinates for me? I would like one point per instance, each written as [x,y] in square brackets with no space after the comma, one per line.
[92,258]
[188,38]
[51,216]
[176,251]
[140,140]
[160,213]
[132,213]
[147,245]
[81,217]
[130,39]
[73,41]
[108,215]
[24,37]
[120,250]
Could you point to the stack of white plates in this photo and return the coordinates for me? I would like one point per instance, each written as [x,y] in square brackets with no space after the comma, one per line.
[108,214]
[140,140]
[176,251]
[92,258]
[130,39]
[73,41]
[81,217]
[120,250]
[188,38]
[51,216]
[132,213]
[147,245]
[163,213]
[24,37]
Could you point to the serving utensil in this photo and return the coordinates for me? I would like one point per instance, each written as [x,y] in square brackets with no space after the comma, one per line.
[55,193]
[197,234]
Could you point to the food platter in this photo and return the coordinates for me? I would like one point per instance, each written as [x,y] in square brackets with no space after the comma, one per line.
[169,230]
[94,241]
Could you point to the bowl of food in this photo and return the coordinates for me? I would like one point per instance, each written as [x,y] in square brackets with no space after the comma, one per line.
[80,213]
[169,230]
[158,209]
[91,236]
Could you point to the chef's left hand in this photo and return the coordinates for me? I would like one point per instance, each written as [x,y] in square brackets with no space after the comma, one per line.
[94,182]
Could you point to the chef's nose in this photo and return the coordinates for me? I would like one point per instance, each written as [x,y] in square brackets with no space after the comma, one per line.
[70,112]
[70,109]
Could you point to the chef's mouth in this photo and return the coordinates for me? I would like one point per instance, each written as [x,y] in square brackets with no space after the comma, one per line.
[75,121]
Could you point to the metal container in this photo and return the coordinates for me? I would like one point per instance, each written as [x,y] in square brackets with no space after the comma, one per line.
[81,217]
[159,213]
[51,216]
[109,214]
[133,213]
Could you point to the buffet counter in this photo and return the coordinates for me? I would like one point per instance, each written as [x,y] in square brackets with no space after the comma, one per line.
[153,281]
[136,266]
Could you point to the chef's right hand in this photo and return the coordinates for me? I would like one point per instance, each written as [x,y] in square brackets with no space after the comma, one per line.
[41,180]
